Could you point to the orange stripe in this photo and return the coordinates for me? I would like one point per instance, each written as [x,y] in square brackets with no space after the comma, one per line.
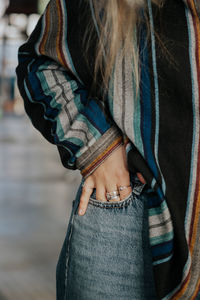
[59,39]
[45,35]
[102,155]
[196,216]
[59,35]
[196,291]
[196,210]
[126,141]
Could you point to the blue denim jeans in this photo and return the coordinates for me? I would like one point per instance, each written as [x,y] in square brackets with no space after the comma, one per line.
[106,253]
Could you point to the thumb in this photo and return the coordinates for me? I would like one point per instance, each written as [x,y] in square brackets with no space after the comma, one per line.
[87,189]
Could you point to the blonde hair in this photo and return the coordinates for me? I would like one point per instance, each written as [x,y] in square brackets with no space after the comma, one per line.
[117,28]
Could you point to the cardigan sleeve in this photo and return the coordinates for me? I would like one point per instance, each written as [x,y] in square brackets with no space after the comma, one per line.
[57,100]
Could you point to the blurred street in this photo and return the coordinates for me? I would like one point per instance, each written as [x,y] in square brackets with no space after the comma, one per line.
[36,191]
[36,194]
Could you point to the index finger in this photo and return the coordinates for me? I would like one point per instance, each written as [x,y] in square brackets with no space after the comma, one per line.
[84,199]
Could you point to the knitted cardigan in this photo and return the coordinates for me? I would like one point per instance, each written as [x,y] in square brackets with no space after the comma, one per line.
[160,127]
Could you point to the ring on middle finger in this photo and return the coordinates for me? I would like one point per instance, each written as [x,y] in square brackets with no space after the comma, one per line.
[110,198]
[112,195]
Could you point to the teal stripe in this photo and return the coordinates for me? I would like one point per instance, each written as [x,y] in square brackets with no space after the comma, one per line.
[73,83]
[156,92]
[136,124]
[77,102]
[45,117]
[23,53]
[162,238]
[60,132]
[76,141]
[66,45]
[96,134]
[192,181]
[45,87]
[161,261]
[158,210]
[37,44]
[153,183]
[137,111]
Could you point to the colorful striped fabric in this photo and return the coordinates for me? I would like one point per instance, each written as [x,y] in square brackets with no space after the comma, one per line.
[165,133]
[160,128]
[56,99]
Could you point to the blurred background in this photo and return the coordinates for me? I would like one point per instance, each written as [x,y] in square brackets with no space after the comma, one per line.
[36,191]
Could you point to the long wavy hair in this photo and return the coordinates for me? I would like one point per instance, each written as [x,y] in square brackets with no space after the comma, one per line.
[116,22]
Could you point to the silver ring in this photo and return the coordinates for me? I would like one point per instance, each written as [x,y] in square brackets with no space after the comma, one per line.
[113,193]
[123,187]
[112,197]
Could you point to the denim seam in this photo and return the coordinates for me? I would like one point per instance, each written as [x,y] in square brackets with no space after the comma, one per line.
[67,260]
[67,253]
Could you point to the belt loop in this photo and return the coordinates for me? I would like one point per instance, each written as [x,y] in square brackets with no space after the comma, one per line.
[138,188]
[137,185]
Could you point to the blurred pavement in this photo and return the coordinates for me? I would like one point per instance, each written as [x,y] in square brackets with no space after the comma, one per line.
[36,194]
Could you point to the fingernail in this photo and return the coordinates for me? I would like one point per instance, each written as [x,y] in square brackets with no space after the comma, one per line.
[81,212]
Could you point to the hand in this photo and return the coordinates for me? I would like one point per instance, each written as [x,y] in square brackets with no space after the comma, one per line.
[112,173]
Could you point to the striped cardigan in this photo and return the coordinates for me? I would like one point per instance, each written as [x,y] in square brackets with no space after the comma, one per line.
[161,127]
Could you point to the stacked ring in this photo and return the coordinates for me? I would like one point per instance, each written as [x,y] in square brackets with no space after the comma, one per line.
[112,195]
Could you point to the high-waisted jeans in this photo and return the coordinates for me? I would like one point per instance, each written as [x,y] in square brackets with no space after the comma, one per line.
[106,253]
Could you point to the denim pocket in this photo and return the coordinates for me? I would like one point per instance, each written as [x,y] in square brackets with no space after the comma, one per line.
[104,245]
